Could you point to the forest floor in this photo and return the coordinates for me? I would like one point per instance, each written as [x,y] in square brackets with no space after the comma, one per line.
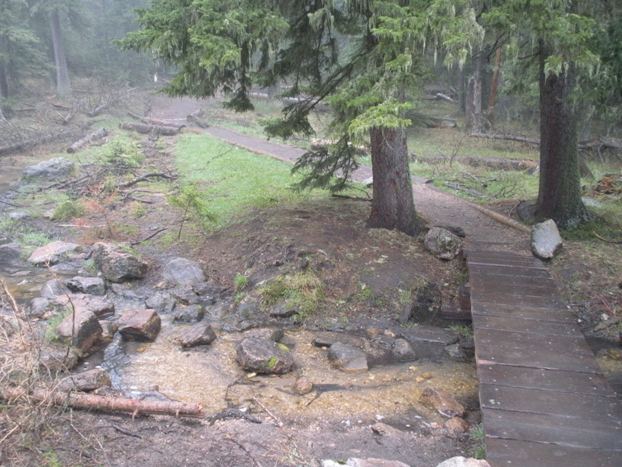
[234,213]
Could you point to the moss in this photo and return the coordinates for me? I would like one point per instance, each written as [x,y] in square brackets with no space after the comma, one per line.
[272,362]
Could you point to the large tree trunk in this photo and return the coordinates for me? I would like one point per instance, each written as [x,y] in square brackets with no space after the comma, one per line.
[63,84]
[475,120]
[559,197]
[393,206]
[494,85]
[4,82]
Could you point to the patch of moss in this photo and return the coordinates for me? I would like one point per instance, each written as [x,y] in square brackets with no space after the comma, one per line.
[303,291]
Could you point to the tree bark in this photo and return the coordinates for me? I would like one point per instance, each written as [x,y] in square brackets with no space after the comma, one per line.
[474,97]
[494,85]
[393,206]
[63,83]
[4,82]
[559,196]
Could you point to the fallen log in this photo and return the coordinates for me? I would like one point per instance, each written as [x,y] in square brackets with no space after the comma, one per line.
[104,403]
[146,129]
[504,137]
[195,120]
[599,143]
[154,121]
[88,139]
[97,110]
[146,177]
[492,163]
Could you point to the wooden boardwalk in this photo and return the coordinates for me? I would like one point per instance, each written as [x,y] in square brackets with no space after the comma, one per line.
[544,400]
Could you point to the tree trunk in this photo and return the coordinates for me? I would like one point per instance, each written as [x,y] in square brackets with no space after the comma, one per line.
[63,84]
[393,206]
[4,82]
[559,196]
[494,85]
[474,97]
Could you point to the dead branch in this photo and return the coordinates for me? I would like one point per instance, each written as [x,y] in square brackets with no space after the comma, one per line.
[157,232]
[88,139]
[353,198]
[505,137]
[270,414]
[97,110]
[146,177]
[105,403]
[196,120]
[606,240]
[146,129]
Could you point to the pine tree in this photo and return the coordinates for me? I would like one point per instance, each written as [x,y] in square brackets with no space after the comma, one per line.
[364,57]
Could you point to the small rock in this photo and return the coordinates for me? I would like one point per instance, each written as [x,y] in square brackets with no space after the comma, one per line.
[189,313]
[455,352]
[85,381]
[302,386]
[58,359]
[283,310]
[162,302]
[425,305]
[263,356]
[87,285]
[463,462]
[99,306]
[456,426]
[82,328]
[140,325]
[18,215]
[347,358]
[50,169]
[442,243]
[117,264]
[53,253]
[454,229]
[39,306]
[545,240]
[183,272]
[429,341]
[403,351]
[199,334]
[371,462]
[526,211]
[53,289]
[271,334]
[444,403]
[10,253]
[382,429]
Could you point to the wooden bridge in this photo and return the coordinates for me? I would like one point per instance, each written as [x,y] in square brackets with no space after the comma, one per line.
[544,400]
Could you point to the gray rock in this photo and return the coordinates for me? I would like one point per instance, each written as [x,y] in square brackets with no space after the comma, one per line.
[162,302]
[50,169]
[53,289]
[429,341]
[443,402]
[39,306]
[183,272]
[455,352]
[347,358]
[18,215]
[425,304]
[99,306]
[189,313]
[56,359]
[53,253]
[283,310]
[87,285]
[545,240]
[140,325]
[263,356]
[403,351]
[85,381]
[10,253]
[526,211]
[371,462]
[81,328]
[118,264]
[463,462]
[199,334]
[271,334]
[302,386]
[442,243]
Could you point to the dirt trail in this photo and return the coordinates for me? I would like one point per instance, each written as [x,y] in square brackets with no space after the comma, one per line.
[433,205]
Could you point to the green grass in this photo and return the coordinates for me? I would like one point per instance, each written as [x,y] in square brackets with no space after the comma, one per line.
[240,282]
[28,238]
[303,291]
[67,210]
[233,181]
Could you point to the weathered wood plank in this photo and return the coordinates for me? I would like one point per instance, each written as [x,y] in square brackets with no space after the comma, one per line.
[513,453]
[532,326]
[558,315]
[548,352]
[507,270]
[548,380]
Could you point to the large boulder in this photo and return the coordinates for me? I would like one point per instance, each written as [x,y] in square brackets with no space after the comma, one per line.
[50,169]
[463,462]
[199,334]
[140,325]
[264,356]
[53,289]
[442,243]
[82,328]
[162,302]
[189,313]
[53,253]
[545,240]
[183,272]
[347,358]
[87,285]
[118,264]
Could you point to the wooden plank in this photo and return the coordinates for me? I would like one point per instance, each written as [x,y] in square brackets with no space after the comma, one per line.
[505,258]
[563,404]
[568,432]
[513,453]
[548,352]
[539,378]
[531,326]
[516,284]
[501,297]
[507,270]
[557,315]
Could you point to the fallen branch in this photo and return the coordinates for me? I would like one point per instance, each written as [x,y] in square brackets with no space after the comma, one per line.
[154,121]
[88,139]
[97,110]
[105,403]
[606,240]
[272,416]
[504,137]
[146,129]
[146,177]
[196,120]
[157,232]
[353,198]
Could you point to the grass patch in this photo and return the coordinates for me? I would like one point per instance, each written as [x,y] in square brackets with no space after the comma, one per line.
[51,331]
[462,330]
[233,181]
[67,210]
[476,437]
[28,239]
[240,282]
[302,291]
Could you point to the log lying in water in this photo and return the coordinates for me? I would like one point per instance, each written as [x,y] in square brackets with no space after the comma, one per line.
[105,403]
[88,139]
[146,129]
